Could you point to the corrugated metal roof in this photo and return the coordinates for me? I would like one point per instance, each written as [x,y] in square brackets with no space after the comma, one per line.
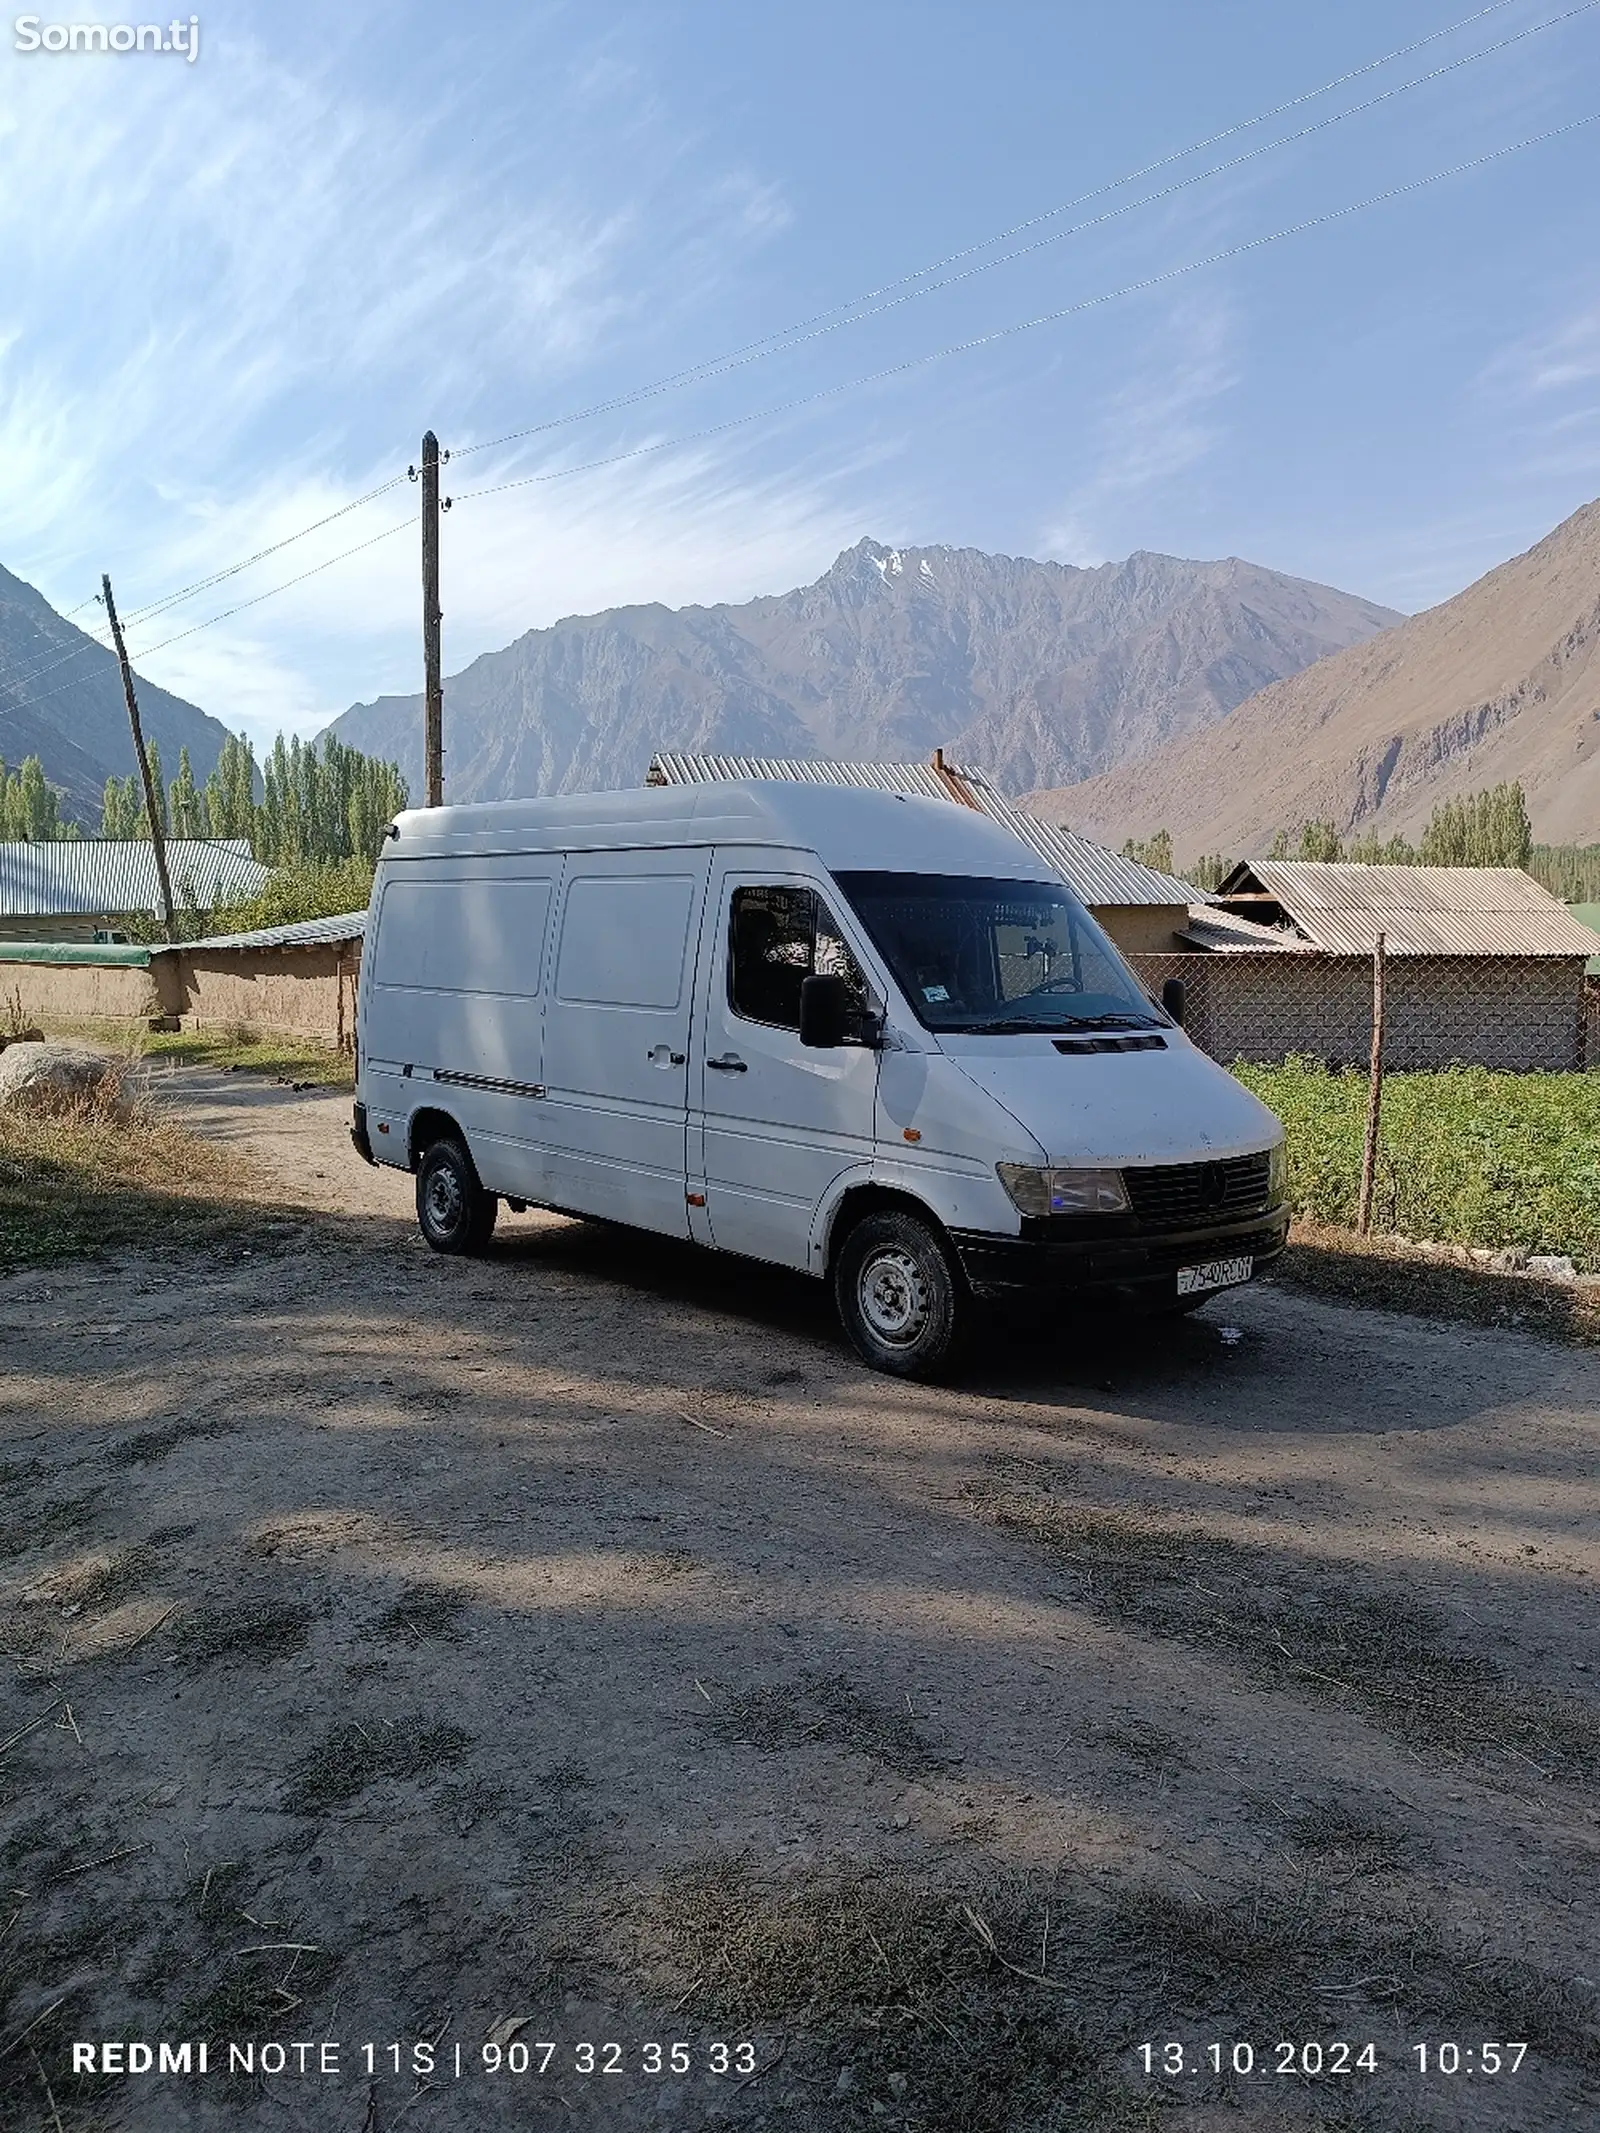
[1099,876]
[304,933]
[1225,933]
[96,876]
[1341,906]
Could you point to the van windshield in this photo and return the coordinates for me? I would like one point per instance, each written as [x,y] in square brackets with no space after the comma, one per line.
[980,955]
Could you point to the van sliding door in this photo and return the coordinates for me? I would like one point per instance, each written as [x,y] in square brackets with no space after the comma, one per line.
[616,1035]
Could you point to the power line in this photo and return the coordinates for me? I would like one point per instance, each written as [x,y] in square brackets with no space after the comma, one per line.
[156,607]
[967,345]
[894,370]
[200,585]
[851,313]
[1044,318]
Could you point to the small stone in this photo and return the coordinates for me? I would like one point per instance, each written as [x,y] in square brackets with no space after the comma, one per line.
[1553,1266]
[902,1821]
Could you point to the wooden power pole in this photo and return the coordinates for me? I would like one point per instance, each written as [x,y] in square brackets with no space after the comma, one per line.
[152,808]
[1369,1152]
[432,616]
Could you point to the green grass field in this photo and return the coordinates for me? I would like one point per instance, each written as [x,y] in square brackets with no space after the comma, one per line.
[1465,1156]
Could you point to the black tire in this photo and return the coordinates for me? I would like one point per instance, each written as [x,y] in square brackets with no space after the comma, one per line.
[899,1296]
[454,1213]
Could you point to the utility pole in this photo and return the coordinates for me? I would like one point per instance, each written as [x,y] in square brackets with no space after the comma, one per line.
[1369,1153]
[157,836]
[432,616]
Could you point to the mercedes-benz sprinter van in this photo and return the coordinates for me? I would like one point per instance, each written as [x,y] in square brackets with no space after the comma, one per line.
[871,1037]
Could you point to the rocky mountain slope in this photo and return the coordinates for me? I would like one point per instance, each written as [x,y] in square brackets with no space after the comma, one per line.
[70,711]
[1034,672]
[1501,682]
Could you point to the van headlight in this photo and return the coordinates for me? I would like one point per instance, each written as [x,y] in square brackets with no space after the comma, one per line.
[1063,1192]
[1278,1174]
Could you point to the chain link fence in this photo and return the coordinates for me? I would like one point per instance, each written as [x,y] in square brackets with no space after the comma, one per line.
[1516,1013]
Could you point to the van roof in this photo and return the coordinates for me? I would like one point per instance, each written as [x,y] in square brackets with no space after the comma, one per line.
[846,827]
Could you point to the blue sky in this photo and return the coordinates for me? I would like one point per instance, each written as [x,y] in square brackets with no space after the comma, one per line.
[233,292]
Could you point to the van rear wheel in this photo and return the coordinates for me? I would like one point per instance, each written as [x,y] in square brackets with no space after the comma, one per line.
[899,1297]
[454,1212]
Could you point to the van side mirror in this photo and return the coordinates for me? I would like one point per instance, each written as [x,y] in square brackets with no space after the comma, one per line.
[824,1012]
[1173,999]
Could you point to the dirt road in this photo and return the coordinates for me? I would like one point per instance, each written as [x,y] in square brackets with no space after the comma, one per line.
[576,1648]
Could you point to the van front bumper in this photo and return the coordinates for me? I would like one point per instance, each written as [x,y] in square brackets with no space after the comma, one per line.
[1142,1268]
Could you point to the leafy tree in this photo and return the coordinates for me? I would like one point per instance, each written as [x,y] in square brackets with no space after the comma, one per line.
[1570,871]
[30,807]
[1371,851]
[1209,871]
[230,792]
[1482,829]
[185,803]
[1155,852]
[1320,840]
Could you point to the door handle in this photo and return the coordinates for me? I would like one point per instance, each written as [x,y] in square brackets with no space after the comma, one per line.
[729,1063]
[662,1055]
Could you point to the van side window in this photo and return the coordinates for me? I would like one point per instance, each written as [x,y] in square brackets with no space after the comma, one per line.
[777,937]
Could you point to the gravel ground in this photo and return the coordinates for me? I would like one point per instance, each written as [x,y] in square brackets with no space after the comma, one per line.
[576,1647]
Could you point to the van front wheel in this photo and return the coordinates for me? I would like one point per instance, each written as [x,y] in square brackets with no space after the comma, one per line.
[454,1212]
[898,1296]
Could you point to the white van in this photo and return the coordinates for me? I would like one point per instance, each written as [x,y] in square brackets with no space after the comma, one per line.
[870,1037]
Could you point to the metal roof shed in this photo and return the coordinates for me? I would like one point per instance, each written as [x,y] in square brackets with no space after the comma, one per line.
[1341,907]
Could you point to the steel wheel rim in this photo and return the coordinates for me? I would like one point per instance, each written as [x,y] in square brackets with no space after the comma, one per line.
[892,1292]
[441,1199]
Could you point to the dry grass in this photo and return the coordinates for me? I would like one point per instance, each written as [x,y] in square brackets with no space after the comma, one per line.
[983,2005]
[1391,1275]
[824,1708]
[237,1048]
[42,1520]
[350,1758]
[148,1445]
[107,1171]
[421,1612]
[1319,1630]
[249,1634]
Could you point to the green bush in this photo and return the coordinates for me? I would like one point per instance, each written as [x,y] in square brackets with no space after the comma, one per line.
[1465,1156]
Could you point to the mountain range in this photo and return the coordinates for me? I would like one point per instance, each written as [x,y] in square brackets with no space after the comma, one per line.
[1501,682]
[1037,673]
[61,700]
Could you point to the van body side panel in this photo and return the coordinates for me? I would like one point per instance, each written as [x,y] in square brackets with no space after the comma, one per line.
[454,1014]
[616,1051]
[777,1123]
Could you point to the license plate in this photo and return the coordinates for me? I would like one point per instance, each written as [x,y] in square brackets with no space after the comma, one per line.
[1215,1274]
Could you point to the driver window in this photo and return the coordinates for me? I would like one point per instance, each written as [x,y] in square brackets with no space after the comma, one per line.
[778,937]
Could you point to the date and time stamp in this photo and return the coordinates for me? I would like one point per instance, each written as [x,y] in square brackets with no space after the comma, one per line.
[438,2061]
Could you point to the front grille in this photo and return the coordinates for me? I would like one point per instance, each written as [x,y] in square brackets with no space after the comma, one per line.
[1180,1195]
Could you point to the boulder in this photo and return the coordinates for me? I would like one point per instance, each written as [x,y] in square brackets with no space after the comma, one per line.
[49,1072]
